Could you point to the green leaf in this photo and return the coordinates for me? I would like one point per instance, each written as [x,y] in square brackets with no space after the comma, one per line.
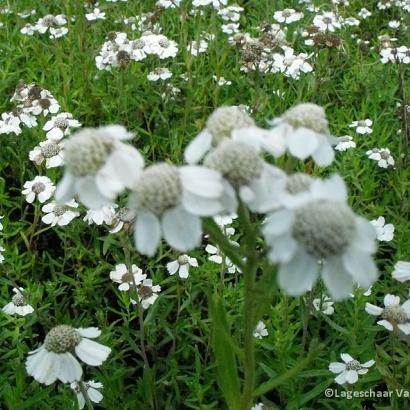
[227,371]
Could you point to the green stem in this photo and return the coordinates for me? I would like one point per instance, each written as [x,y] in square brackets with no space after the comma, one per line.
[249,273]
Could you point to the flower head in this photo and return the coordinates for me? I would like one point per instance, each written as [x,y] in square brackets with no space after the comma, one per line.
[260,330]
[59,214]
[18,305]
[181,265]
[41,187]
[350,369]
[314,231]
[126,278]
[55,360]
[98,166]
[91,388]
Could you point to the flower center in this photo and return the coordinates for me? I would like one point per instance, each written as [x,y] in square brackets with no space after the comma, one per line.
[61,123]
[50,150]
[128,277]
[384,154]
[38,187]
[35,92]
[164,43]
[183,260]
[18,299]
[145,291]
[60,210]
[139,44]
[225,119]
[307,115]
[395,313]
[298,183]
[353,365]
[86,152]
[325,228]
[44,103]
[50,20]
[158,189]
[239,163]
[62,339]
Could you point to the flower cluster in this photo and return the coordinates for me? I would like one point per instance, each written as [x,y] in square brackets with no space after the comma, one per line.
[54,26]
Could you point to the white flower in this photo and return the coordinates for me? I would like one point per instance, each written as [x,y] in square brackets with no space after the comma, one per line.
[304,129]
[382,156]
[1,254]
[364,13]
[393,315]
[60,125]
[219,126]
[160,73]
[18,305]
[168,3]
[362,126]
[54,359]
[260,330]
[96,14]
[163,47]
[168,202]
[122,275]
[219,258]
[324,305]
[344,143]
[59,214]
[221,80]
[230,28]
[50,151]
[98,166]
[287,16]
[1,225]
[349,370]
[44,104]
[401,271]
[181,265]
[197,47]
[385,232]
[291,64]
[328,21]
[147,293]
[100,216]
[90,388]
[394,24]
[41,187]
[259,406]
[317,231]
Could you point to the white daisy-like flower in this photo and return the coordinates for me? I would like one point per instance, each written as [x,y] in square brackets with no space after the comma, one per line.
[260,330]
[161,73]
[50,151]
[147,293]
[166,4]
[181,265]
[316,231]
[385,232]
[324,305]
[96,14]
[350,369]
[382,156]
[217,257]
[91,388]
[52,24]
[362,126]
[304,128]
[123,217]
[259,406]
[327,21]
[55,360]
[197,47]
[401,271]
[287,16]
[18,305]
[163,47]
[44,104]
[60,214]
[394,315]
[98,166]
[344,143]
[290,64]
[60,126]
[219,126]
[100,216]
[125,278]
[41,187]
[364,13]
[168,202]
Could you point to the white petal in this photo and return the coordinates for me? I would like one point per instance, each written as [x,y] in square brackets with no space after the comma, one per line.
[282,248]
[172,267]
[91,352]
[147,233]
[336,278]
[346,357]
[406,307]
[373,309]
[70,369]
[90,332]
[182,230]
[94,395]
[360,266]
[324,154]
[302,143]
[90,195]
[370,363]
[391,300]
[351,376]
[198,147]
[337,367]
[201,181]
[184,272]
[341,379]
[404,327]
[385,324]
[278,222]
[199,205]
[66,188]
[299,275]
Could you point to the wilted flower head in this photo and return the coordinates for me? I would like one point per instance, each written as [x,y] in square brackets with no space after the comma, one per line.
[305,131]
[317,231]
[98,166]
[54,359]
